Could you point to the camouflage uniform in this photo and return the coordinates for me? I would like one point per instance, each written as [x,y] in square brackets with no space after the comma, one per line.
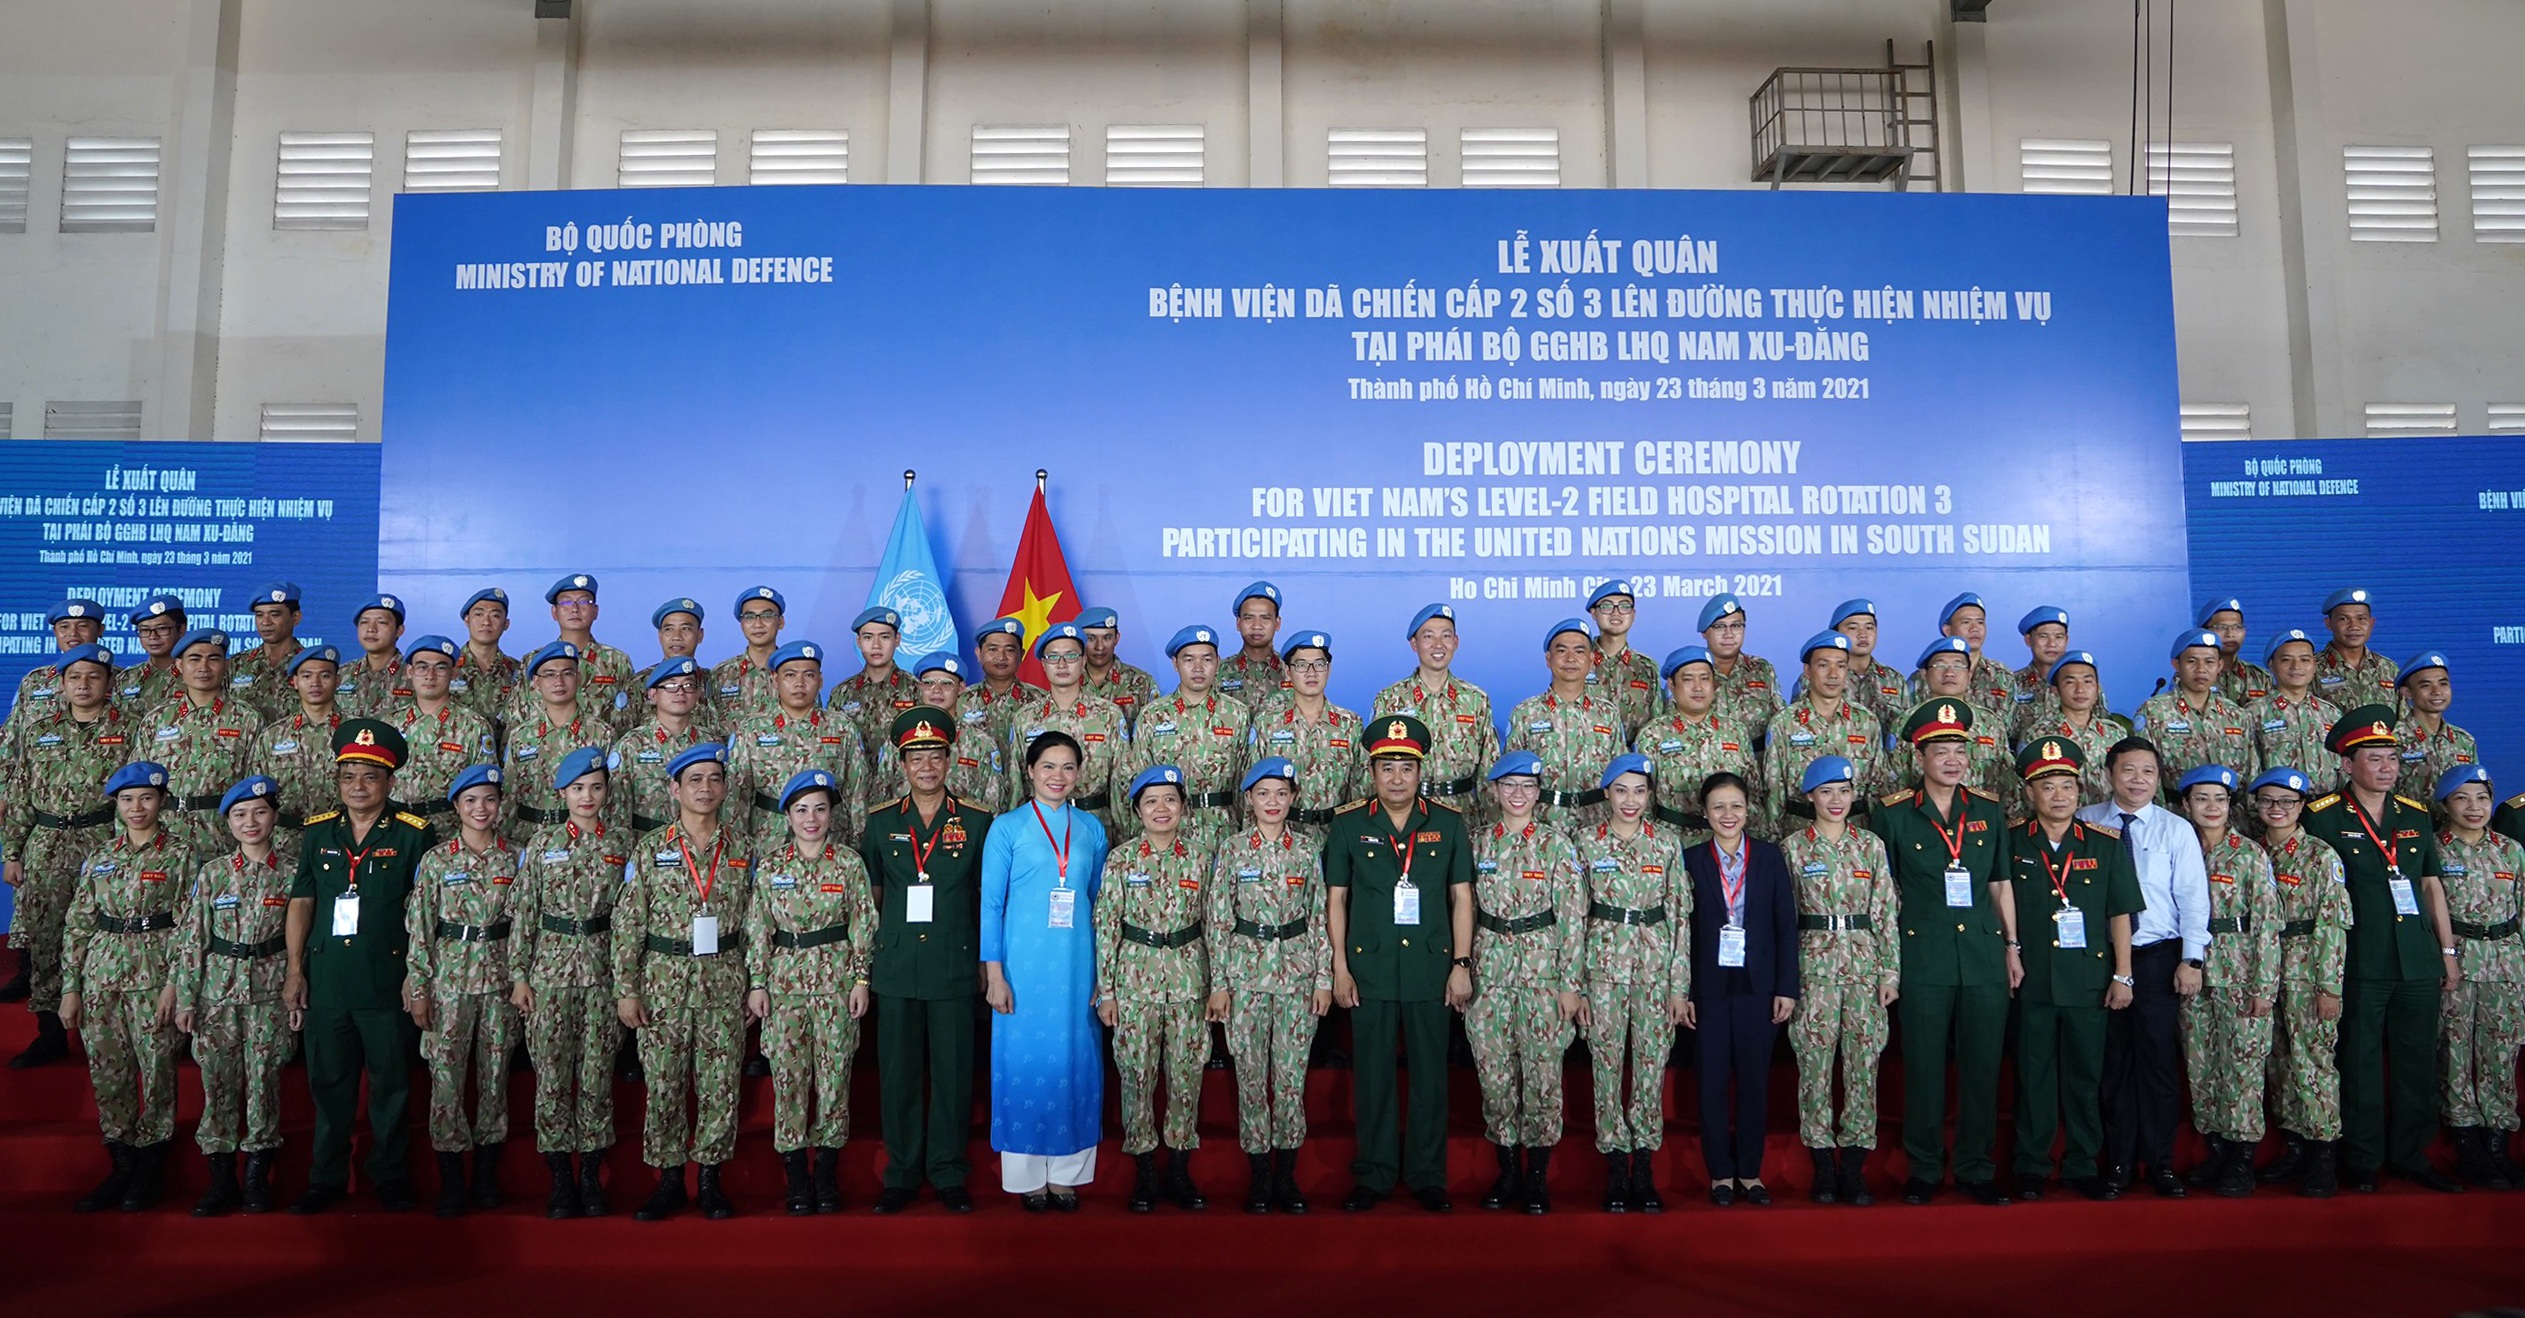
[51,779]
[1880,691]
[2426,756]
[144,686]
[1270,952]
[2243,683]
[442,746]
[870,704]
[975,771]
[260,678]
[809,934]
[1130,689]
[568,881]
[1629,679]
[228,972]
[1329,754]
[1097,725]
[2095,781]
[484,688]
[1576,740]
[2288,734]
[635,768]
[459,925]
[1207,740]
[1846,953]
[738,688]
[694,1045]
[1749,695]
[1253,683]
[365,692]
[2314,930]
[1685,751]
[38,692]
[534,751]
[2192,733]
[2484,1022]
[117,954]
[1639,954]
[1990,689]
[1150,954]
[1803,733]
[995,712]
[1463,737]
[2035,705]
[2370,681]
[2225,1051]
[766,750]
[609,690]
[1529,947]
[206,749]
[297,753]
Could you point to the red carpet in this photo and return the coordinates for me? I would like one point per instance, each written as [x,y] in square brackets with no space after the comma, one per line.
[2404,1251]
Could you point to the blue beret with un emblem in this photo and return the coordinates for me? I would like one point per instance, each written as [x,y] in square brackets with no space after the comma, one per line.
[556,650]
[1191,636]
[709,752]
[1427,615]
[1306,641]
[1517,764]
[1633,762]
[138,773]
[764,593]
[2291,636]
[313,654]
[2462,775]
[1100,616]
[578,764]
[574,581]
[1269,767]
[486,595]
[670,669]
[1683,656]
[431,644]
[939,661]
[1719,607]
[1606,590]
[77,608]
[1825,770]
[2345,596]
[2418,664]
[475,775]
[1156,775]
[794,652]
[680,604]
[252,788]
[805,781]
[210,636]
[2285,779]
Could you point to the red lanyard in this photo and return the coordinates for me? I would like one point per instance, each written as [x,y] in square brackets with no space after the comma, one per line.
[1954,844]
[1733,894]
[1403,849]
[718,848]
[921,854]
[2059,877]
[2393,858]
[1060,849]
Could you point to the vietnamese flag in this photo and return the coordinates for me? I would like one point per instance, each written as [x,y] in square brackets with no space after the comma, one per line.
[1039,591]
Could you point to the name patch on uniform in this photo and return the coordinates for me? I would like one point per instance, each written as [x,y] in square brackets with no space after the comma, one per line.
[49,739]
[1342,743]
[555,857]
[2228,879]
[224,902]
[153,876]
[1608,865]
[276,901]
[1536,875]
[1249,874]
[1161,729]
[529,752]
[782,881]
[1485,866]
[169,734]
[675,858]
[1814,869]
[1652,871]
[1136,880]
[454,879]
[766,739]
[833,887]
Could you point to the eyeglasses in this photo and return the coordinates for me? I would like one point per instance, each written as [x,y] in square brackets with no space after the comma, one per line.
[680,686]
[1051,659]
[1736,626]
[758,615]
[1310,665]
[1616,606]
[2276,803]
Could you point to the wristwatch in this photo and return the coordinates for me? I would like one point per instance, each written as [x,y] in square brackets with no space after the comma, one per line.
[2192,961]
[2126,981]
[1464,961]
[2450,951]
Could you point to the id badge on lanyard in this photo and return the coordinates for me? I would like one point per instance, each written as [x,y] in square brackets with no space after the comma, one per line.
[1731,947]
[1064,908]
[2406,899]
[346,915]
[2071,924]
[1407,903]
[920,904]
[705,935]
[1959,887]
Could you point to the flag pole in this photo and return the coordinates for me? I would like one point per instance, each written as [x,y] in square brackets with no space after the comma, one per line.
[907,478]
[1040,476]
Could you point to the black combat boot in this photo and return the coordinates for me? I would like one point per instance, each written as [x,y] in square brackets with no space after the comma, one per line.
[665,1201]
[258,1181]
[2322,1177]
[1143,1183]
[149,1164]
[1505,1191]
[2235,1179]
[486,1175]
[828,1180]
[1284,1182]
[564,1199]
[51,1044]
[1258,1194]
[1644,1196]
[1617,1182]
[2289,1165]
[1179,1183]
[2472,1158]
[710,1199]
[1827,1177]
[800,1193]
[1854,1179]
[222,1194]
[2208,1171]
[118,1178]
[451,1185]
[1538,1198]
[2499,1142]
[592,1183]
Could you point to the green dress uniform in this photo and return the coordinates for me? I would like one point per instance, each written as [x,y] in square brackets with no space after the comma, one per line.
[975,771]
[1400,965]
[2078,884]
[359,880]
[1954,955]
[926,971]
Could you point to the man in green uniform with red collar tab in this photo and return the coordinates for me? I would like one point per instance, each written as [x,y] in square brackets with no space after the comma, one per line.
[346,965]
[2402,956]
[1399,872]
[1949,849]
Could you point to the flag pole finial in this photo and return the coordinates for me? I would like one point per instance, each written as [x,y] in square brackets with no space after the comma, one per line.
[1040,477]
[907,478]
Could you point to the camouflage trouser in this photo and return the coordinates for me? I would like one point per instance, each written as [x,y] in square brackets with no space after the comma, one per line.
[692,1051]
[1151,1035]
[468,1032]
[2226,1053]
[241,1047]
[48,876]
[1843,1020]
[1633,1015]
[570,1035]
[131,1065]
[2478,1037]
[1518,1040]
[2305,1068]
[810,1039]
[1269,1035]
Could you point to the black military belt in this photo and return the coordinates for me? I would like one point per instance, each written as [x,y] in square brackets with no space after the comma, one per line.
[1312,816]
[1184,937]
[1681,818]
[538,815]
[1210,800]
[1837,924]
[138,924]
[811,938]
[1452,787]
[684,946]
[1523,924]
[1623,915]
[2231,924]
[2485,932]
[1097,802]
[562,924]
[641,823]
[767,803]
[2296,928]
[103,814]
[294,819]
[1271,932]
[193,803]
[440,806]
[1576,800]
[495,932]
[272,946]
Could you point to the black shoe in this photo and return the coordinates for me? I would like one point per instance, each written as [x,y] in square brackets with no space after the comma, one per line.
[2289,1165]
[1723,1193]
[2424,1176]
[394,1196]
[222,1194]
[563,1201]
[1617,1182]
[258,1181]
[1853,1179]
[486,1176]
[2118,1176]
[1219,1060]
[1986,1193]
[2472,1158]
[2029,1187]
[891,1200]
[665,1201]
[1917,1191]
[2235,1180]
[451,1185]
[955,1198]
[800,1194]
[757,1066]
[709,1198]
[1036,1201]
[1143,1183]
[1433,1199]
[1827,1188]
[827,1180]
[52,1043]
[1538,1198]
[2162,1179]
[1064,1199]
[1179,1184]
[118,1179]
[1258,1193]
[317,1199]
[1361,1199]
[1284,1182]
[2321,1177]
[1757,1194]
[2210,1169]
[1505,1190]
[592,1184]
[149,1164]
[2496,1142]
[1644,1196]
[2365,1180]
[2095,1188]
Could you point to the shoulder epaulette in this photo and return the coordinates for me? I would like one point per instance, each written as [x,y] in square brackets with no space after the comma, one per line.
[1444,806]
[2325,803]
[320,818]
[1977,792]
[2421,806]
[1894,798]
[410,818]
[2516,802]
[1359,804]
[2103,830]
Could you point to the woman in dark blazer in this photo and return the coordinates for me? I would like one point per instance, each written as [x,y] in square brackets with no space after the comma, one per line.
[1744,983]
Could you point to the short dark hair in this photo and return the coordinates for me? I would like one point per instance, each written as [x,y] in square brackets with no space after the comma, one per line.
[1724,779]
[2132,746]
[1045,741]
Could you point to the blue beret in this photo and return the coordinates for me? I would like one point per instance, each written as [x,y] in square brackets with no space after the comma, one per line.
[1966,600]
[312,654]
[1579,625]
[1606,590]
[1718,607]
[1848,609]
[877,614]
[805,781]
[2286,779]
[681,665]
[2215,607]
[389,603]
[1260,590]
[574,581]
[2346,595]
[1428,614]
[1945,645]
[1270,766]
[2073,657]
[556,650]
[1099,616]
[76,608]
[578,764]
[1824,770]
[159,606]
[202,636]
[2278,639]
[1001,627]
[685,604]
[795,651]
[2038,617]
[279,592]
[2200,640]
[1517,764]
[1155,775]
[2209,775]
[253,788]
[1059,631]
[1680,656]
[1307,641]
[486,595]
[1823,641]
[2461,774]
[138,773]
[1193,635]
[1633,762]
[708,752]
[939,661]
[90,653]
[474,775]
[434,642]
[2420,663]
[758,593]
